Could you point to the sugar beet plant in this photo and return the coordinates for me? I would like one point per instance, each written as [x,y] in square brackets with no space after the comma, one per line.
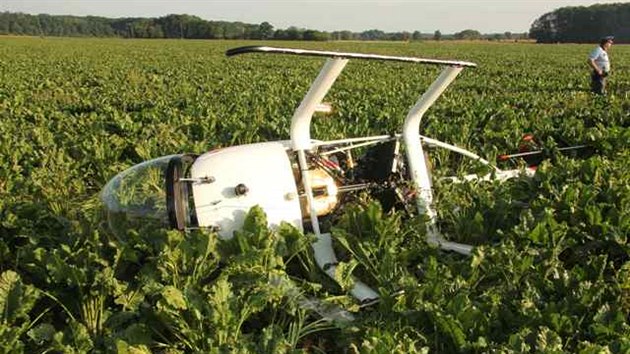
[550,271]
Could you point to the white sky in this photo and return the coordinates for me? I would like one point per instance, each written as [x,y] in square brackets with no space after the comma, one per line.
[448,16]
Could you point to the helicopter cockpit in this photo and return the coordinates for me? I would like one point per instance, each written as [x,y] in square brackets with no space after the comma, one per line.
[214,190]
[151,194]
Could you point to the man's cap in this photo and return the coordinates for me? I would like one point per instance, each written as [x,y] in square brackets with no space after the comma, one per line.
[608,38]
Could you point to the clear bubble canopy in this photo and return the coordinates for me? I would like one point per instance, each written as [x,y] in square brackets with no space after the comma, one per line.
[148,194]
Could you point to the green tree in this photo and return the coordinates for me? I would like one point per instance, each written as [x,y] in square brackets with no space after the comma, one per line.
[293,33]
[266,30]
[373,35]
[468,34]
[312,35]
[280,34]
[583,24]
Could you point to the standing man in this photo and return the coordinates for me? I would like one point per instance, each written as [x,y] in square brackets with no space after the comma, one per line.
[598,61]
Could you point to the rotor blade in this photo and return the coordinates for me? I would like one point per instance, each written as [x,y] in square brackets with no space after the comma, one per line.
[331,54]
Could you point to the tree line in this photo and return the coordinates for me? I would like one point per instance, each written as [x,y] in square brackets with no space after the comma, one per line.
[582,24]
[193,27]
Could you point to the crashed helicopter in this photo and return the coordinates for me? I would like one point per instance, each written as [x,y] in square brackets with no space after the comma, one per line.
[301,180]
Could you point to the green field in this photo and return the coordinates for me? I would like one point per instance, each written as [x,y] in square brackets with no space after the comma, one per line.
[551,272]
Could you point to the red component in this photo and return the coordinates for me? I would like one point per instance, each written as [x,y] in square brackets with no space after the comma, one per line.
[503,157]
[528,141]
[330,164]
[528,137]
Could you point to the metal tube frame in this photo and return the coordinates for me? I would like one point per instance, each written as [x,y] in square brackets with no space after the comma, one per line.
[301,143]
[301,121]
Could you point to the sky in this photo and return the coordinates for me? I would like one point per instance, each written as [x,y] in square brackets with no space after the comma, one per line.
[427,16]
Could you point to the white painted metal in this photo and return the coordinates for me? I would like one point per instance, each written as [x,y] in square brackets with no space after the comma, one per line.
[322,248]
[350,147]
[384,138]
[456,149]
[500,175]
[321,53]
[264,168]
[324,108]
[301,121]
[353,140]
[326,260]
[434,238]
[301,142]
[418,166]
[308,190]
[411,135]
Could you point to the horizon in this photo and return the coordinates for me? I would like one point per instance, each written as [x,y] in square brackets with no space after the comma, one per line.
[374,15]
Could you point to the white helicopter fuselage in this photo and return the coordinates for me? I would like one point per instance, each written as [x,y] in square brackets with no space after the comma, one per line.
[244,176]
